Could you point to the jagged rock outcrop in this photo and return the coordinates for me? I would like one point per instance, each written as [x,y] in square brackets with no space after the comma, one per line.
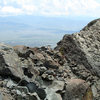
[83,48]
[82,52]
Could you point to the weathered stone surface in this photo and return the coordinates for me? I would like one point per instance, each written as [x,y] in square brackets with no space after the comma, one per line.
[83,48]
[9,64]
[1,96]
[76,90]
[47,77]
[51,95]
[32,87]
[51,64]
[41,93]
[10,84]
[34,96]
[57,86]
[23,51]
[82,53]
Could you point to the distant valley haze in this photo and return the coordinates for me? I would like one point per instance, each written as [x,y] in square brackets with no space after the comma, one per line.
[37,30]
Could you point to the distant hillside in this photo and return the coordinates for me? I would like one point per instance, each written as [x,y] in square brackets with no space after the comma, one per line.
[37,31]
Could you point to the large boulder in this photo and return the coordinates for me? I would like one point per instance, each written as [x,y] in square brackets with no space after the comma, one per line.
[10,65]
[77,89]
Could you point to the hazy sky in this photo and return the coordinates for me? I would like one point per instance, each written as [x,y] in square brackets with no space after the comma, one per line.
[85,8]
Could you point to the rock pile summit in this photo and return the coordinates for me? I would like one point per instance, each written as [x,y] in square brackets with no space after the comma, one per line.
[71,71]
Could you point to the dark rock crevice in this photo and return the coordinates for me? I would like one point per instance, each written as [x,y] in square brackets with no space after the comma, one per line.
[27,72]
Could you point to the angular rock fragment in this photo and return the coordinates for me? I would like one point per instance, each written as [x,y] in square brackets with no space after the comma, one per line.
[10,64]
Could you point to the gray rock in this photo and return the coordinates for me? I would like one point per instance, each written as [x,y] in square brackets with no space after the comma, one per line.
[82,52]
[83,48]
[42,70]
[1,96]
[32,87]
[27,97]
[18,92]
[34,96]
[10,84]
[23,51]
[41,93]
[57,85]
[50,72]
[22,89]
[94,90]
[47,77]
[51,95]
[10,63]
[51,64]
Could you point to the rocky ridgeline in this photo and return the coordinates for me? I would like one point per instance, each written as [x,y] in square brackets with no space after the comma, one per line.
[82,52]
[69,72]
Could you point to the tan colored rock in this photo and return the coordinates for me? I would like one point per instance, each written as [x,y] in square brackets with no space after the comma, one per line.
[77,89]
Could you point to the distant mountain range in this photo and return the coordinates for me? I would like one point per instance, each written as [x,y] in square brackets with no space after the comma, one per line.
[37,30]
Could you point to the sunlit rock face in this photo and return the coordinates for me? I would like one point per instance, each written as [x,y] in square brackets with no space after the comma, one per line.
[82,52]
[83,48]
